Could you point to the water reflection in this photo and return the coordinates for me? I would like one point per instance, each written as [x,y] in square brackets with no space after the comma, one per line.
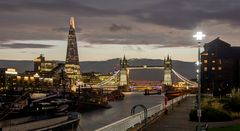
[120,109]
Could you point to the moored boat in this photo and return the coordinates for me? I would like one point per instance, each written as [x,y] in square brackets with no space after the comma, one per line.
[44,122]
[91,98]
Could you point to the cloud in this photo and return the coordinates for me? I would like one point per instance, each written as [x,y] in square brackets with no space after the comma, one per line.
[182,14]
[24,45]
[116,27]
[188,14]
[42,20]
[72,7]
[87,46]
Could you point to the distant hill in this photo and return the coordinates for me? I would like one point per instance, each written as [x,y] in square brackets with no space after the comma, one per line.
[185,68]
[20,65]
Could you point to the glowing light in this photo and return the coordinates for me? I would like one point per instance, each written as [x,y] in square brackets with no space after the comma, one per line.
[25,78]
[197,71]
[36,75]
[72,22]
[32,78]
[199,35]
[198,63]
[18,77]
[11,71]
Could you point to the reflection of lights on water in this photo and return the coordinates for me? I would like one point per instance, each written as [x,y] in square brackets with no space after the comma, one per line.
[127,93]
[157,87]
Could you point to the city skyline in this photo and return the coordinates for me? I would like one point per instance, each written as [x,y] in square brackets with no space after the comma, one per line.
[110,29]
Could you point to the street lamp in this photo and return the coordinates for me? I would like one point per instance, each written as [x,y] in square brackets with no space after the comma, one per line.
[199,36]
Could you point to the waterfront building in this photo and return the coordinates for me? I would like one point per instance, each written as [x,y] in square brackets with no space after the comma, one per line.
[42,65]
[220,70]
[28,80]
[48,70]
[8,78]
[91,78]
[34,80]
[72,67]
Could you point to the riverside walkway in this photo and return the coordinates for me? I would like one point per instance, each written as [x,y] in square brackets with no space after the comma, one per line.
[177,119]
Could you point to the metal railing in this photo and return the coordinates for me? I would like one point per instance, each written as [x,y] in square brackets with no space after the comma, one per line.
[138,118]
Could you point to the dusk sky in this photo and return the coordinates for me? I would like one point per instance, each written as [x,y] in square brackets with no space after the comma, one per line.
[109,29]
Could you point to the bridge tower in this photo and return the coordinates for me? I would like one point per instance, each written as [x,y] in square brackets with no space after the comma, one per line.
[167,71]
[72,67]
[124,74]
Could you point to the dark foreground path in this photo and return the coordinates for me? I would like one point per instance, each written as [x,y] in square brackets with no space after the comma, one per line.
[177,119]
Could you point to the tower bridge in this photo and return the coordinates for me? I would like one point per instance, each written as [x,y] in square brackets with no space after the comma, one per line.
[123,74]
[125,67]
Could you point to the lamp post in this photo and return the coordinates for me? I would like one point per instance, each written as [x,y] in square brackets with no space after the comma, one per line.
[199,36]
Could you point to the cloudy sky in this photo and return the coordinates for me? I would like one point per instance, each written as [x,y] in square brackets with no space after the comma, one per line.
[111,28]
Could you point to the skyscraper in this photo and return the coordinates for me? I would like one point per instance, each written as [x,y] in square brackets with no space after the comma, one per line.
[72,67]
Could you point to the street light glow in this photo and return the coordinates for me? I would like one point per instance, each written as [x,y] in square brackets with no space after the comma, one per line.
[199,35]
[198,63]
[197,71]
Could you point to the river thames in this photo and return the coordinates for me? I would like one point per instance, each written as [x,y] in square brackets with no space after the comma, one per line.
[120,109]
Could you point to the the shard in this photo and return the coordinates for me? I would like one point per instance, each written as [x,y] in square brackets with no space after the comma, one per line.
[72,67]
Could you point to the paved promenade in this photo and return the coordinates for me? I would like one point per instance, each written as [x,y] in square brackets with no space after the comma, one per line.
[177,119]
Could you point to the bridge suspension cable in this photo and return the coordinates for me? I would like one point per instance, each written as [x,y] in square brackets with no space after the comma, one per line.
[109,79]
[191,83]
[184,79]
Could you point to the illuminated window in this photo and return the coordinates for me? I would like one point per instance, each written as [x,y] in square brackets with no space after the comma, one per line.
[220,61]
[205,61]
[205,68]
[213,68]
[219,68]
[213,61]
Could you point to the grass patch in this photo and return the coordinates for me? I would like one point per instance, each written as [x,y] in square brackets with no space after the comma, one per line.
[227,128]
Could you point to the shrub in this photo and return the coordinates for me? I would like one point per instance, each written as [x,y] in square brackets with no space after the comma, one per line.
[209,115]
[193,115]
[234,102]
[235,115]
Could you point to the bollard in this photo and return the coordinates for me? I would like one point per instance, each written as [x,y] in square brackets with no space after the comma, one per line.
[165,104]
